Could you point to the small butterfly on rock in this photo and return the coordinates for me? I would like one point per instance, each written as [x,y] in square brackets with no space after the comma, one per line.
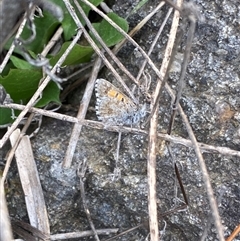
[115,108]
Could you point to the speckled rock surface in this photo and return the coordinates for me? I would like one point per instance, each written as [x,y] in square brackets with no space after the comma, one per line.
[211,102]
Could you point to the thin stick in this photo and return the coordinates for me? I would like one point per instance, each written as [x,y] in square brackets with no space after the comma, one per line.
[152,202]
[154,42]
[206,179]
[99,125]
[155,69]
[181,82]
[11,49]
[118,46]
[81,174]
[52,41]
[151,170]
[81,114]
[123,233]
[63,236]
[234,233]
[105,47]
[5,226]
[162,84]
[117,170]
[100,54]
[14,147]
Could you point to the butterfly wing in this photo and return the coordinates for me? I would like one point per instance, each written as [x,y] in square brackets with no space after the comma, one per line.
[112,106]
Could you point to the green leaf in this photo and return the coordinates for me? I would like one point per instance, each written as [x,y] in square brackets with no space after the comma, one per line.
[108,33]
[79,54]
[50,94]
[45,28]
[21,85]
[20,63]
[86,8]
[7,68]
[5,116]
[69,27]
[68,24]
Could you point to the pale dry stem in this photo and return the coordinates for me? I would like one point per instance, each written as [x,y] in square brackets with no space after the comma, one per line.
[153,135]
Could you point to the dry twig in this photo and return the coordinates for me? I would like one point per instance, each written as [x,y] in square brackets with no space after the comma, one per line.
[28,173]
[234,233]
[81,115]
[81,174]
[5,227]
[153,135]
[99,125]
[152,205]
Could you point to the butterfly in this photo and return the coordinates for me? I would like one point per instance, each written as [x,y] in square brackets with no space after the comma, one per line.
[115,108]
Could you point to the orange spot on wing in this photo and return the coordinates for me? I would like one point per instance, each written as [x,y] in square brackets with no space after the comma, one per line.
[117,95]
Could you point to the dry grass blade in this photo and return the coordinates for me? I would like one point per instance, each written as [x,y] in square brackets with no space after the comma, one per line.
[99,125]
[8,22]
[83,234]
[138,27]
[81,174]
[206,178]
[5,227]
[81,115]
[28,232]
[96,49]
[150,62]
[154,43]
[10,51]
[33,199]
[28,173]
[152,204]
[205,174]
[115,59]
